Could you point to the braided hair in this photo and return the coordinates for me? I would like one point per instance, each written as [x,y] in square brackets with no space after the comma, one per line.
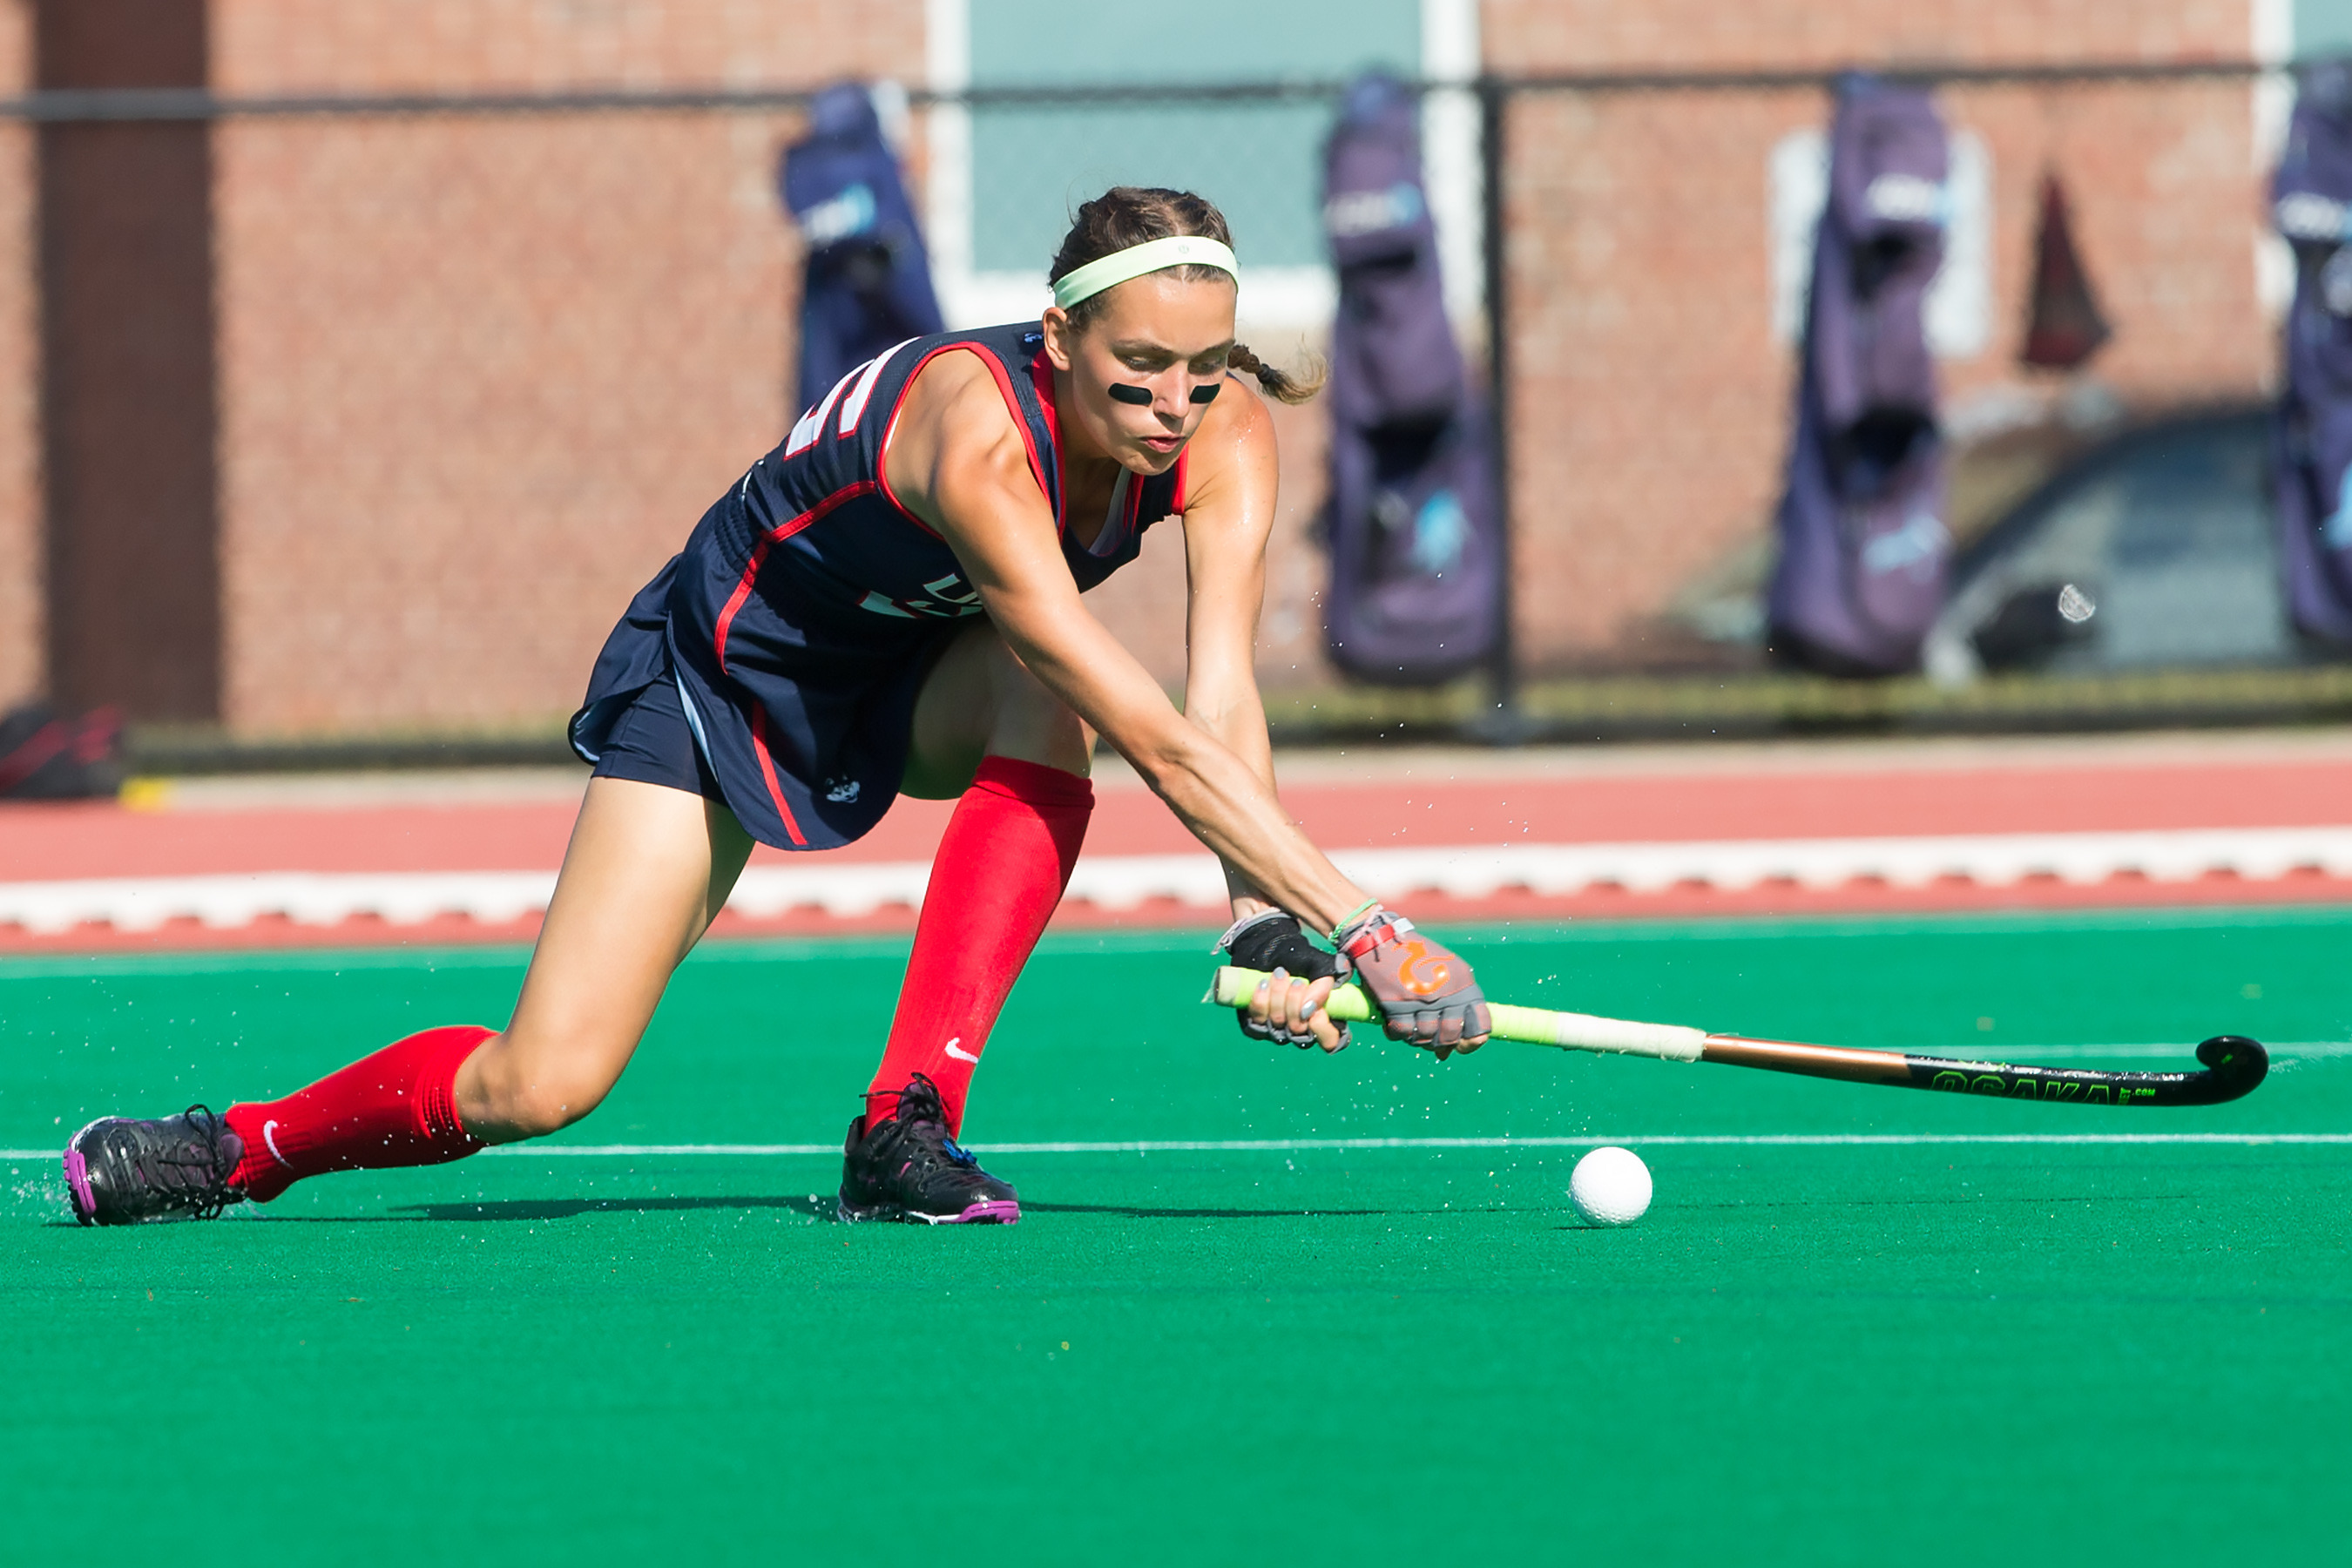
[1127,216]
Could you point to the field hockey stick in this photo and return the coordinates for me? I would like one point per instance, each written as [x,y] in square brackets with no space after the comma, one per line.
[2233,1064]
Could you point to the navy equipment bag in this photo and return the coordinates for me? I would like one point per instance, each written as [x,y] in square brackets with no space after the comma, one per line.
[2312,206]
[1862,543]
[867,283]
[1416,546]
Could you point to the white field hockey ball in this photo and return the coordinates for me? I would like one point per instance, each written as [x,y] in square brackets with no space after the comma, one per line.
[1610,1186]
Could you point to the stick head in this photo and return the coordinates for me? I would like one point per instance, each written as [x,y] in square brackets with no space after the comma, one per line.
[2236,1066]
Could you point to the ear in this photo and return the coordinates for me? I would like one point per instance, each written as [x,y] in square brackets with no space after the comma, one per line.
[1061,338]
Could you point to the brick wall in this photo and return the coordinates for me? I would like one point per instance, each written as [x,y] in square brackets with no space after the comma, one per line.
[480,375]
[460,46]
[1651,402]
[22,628]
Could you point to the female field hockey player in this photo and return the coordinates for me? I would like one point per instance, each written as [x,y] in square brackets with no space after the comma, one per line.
[888,602]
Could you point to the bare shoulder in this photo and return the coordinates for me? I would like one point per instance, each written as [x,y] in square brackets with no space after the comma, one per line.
[1234,442]
[953,395]
[953,424]
[1239,415]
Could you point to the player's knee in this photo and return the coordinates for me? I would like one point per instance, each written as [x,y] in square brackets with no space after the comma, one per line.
[535,1100]
[537,1109]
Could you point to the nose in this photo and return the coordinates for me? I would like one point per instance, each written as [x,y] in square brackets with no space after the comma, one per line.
[1170,395]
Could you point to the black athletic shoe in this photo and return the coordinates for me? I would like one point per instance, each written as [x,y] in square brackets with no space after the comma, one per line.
[907,1168]
[120,1171]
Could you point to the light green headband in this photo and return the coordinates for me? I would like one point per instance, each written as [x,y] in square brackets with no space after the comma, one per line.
[1151,256]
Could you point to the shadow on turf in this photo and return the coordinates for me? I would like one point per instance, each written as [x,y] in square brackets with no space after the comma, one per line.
[571,1208]
[821,1207]
[1131,1211]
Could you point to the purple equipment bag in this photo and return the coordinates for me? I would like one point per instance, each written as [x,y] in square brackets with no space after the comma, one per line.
[867,283]
[1862,543]
[1415,542]
[2312,205]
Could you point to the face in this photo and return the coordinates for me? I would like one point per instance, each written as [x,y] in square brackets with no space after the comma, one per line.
[1155,332]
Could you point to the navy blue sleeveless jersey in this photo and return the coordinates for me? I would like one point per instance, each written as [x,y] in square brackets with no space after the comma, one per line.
[808,606]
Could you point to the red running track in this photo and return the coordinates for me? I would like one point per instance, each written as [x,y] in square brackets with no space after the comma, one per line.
[1538,799]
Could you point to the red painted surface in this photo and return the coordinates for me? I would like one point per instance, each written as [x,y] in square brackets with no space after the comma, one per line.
[1598,904]
[47,843]
[62,842]
[1846,805]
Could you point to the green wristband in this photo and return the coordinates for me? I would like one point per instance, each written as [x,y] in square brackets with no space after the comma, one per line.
[1359,912]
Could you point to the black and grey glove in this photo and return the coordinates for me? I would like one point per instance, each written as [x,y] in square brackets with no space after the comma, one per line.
[1272,941]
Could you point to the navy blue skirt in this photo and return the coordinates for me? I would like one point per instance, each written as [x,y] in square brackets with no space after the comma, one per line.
[652,743]
[812,762]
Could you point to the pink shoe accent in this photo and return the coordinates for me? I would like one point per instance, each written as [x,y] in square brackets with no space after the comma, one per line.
[85,1202]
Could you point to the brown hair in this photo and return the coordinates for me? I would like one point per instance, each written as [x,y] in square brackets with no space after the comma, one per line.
[1127,215]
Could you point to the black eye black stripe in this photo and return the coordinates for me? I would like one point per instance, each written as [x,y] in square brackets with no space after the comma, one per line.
[1140,395]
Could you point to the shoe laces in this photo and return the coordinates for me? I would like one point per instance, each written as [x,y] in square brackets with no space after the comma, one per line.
[920,1094]
[926,1145]
[208,1195]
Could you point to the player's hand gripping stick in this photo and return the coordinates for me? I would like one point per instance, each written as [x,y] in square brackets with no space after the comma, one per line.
[2233,1065]
[1426,995]
[1272,944]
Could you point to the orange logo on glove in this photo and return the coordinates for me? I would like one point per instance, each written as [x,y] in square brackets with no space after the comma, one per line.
[1417,951]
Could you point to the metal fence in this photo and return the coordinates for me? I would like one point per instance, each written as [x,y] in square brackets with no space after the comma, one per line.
[364,414]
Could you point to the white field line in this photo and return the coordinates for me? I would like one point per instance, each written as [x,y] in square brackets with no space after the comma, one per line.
[1128,881]
[1290,1145]
[1287,1146]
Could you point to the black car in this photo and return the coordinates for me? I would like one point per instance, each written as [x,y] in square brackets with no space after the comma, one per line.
[2156,548]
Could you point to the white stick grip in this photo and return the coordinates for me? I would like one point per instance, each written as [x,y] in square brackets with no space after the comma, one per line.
[1535,1026]
[1620,1037]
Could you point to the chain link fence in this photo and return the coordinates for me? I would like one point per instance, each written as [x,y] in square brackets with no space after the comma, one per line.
[477,364]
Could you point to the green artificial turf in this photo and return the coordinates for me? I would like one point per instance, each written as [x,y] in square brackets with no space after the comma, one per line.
[1936,1351]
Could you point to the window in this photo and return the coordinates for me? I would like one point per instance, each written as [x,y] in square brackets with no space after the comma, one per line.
[1005,178]
[2321,27]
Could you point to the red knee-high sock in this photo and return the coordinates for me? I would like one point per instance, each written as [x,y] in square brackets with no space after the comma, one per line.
[1001,868]
[398,1107]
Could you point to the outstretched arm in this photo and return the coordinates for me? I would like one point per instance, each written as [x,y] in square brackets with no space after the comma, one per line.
[1228,517]
[958,463]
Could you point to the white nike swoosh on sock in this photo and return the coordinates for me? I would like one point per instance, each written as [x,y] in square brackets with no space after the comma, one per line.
[269,1136]
[961,1056]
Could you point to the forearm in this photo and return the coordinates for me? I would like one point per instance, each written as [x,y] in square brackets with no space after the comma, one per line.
[1236,721]
[1231,809]
[1227,803]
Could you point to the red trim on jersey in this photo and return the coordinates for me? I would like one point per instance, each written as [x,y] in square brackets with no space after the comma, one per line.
[1041,376]
[735,602]
[1176,498]
[768,772]
[841,497]
[777,535]
[1012,403]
